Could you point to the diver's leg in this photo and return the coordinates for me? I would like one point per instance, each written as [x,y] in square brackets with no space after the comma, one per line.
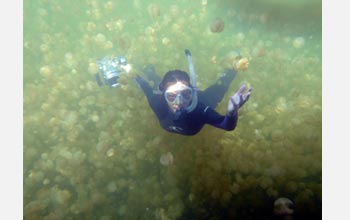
[151,74]
[214,94]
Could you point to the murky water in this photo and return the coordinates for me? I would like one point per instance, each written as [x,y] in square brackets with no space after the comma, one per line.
[99,153]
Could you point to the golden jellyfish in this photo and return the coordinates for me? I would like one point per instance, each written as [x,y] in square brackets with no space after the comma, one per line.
[154,11]
[283,207]
[299,42]
[165,41]
[231,58]
[166,159]
[174,10]
[217,25]
[46,71]
[242,64]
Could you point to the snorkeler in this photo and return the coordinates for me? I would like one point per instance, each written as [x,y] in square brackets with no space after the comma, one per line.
[182,109]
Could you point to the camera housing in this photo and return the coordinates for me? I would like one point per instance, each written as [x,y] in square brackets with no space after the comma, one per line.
[110,69]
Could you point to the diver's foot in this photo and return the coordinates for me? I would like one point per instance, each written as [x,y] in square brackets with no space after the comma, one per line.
[151,75]
[149,71]
[227,76]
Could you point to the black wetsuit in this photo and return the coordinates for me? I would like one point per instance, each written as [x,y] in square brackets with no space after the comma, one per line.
[191,123]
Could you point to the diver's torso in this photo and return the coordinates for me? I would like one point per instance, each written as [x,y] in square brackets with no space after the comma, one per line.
[186,123]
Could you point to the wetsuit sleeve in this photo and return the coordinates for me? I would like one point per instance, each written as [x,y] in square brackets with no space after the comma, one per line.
[153,99]
[226,122]
[213,95]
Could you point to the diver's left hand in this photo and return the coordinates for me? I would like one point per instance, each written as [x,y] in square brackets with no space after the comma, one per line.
[238,99]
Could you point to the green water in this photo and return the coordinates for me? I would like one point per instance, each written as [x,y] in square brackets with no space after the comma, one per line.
[94,153]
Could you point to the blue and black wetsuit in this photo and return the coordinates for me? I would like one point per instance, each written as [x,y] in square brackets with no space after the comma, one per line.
[191,123]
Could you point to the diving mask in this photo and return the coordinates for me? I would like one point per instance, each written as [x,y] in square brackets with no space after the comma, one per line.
[178,93]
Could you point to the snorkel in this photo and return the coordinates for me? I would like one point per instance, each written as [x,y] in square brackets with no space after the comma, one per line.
[194,102]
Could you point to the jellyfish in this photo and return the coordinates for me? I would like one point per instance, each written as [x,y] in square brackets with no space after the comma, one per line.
[242,64]
[154,11]
[167,159]
[283,207]
[217,25]
[299,42]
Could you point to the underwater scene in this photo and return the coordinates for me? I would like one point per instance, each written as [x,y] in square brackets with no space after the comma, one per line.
[99,152]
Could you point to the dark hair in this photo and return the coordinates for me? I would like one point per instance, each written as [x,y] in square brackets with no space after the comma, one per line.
[173,76]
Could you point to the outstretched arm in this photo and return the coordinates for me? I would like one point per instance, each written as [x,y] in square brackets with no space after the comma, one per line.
[229,121]
[237,100]
[144,86]
[226,122]
[152,98]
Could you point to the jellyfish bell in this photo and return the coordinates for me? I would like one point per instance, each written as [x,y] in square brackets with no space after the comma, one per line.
[174,10]
[153,11]
[283,207]
[165,41]
[231,58]
[241,64]
[46,71]
[217,25]
[299,42]
[166,159]
[100,38]
[109,5]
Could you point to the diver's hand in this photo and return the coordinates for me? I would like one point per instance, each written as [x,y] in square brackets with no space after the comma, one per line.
[238,99]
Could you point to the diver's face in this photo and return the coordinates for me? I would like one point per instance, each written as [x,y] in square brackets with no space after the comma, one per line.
[178,96]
